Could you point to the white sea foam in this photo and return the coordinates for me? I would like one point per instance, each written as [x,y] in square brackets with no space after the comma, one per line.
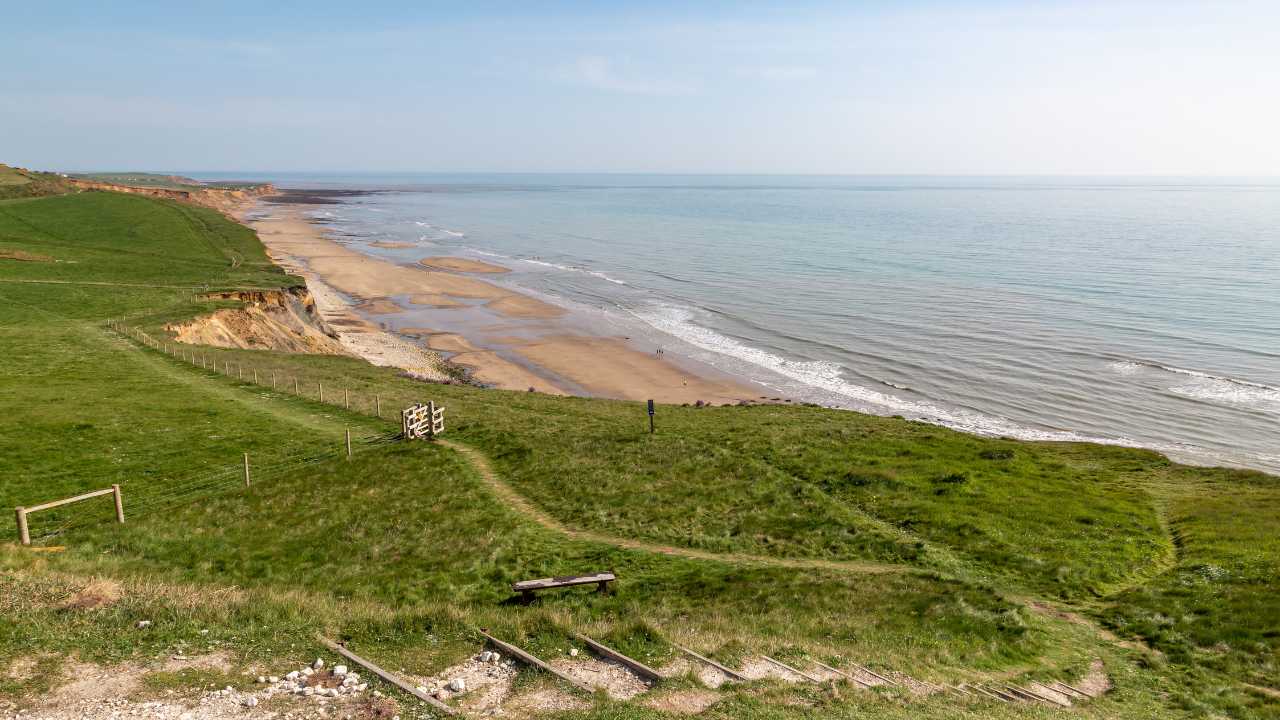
[567,268]
[1204,386]
[437,228]
[829,376]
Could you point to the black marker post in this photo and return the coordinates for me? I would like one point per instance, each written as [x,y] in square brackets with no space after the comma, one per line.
[650,417]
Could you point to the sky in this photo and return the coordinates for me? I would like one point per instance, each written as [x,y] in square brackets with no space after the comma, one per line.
[961,87]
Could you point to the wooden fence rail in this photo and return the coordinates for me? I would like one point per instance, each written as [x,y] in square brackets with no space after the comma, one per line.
[21,513]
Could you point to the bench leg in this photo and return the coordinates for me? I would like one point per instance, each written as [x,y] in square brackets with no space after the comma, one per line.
[603,587]
[526,597]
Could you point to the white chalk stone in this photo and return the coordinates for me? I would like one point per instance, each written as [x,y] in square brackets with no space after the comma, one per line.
[318,664]
[262,678]
[339,670]
[273,679]
[294,675]
[143,624]
[458,685]
[573,652]
[250,701]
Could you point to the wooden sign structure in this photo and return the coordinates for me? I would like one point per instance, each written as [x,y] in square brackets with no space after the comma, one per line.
[420,421]
[24,534]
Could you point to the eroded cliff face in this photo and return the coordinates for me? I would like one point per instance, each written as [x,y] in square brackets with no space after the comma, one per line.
[269,320]
[222,199]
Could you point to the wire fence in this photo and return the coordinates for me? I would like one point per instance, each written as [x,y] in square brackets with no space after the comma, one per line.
[163,492]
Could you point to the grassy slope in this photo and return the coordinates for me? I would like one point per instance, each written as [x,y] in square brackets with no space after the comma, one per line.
[412,542]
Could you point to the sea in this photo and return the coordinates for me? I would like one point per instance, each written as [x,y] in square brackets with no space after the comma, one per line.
[1132,311]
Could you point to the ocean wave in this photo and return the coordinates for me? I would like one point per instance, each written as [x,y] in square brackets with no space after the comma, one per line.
[1199,385]
[567,268]
[437,228]
[829,377]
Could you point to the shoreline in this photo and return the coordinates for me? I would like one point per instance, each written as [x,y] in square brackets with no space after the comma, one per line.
[506,339]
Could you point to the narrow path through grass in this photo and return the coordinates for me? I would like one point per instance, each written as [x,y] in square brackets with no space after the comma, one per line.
[522,505]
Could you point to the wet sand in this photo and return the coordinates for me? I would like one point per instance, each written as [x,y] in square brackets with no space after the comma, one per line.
[465,265]
[536,349]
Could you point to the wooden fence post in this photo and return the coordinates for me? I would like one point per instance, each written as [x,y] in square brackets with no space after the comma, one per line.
[24,536]
[346,398]
[377,401]
[273,379]
[348,443]
[115,495]
[321,386]
[239,371]
[246,469]
[255,376]
[295,386]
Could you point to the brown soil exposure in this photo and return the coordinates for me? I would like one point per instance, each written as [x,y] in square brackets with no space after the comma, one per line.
[99,593]
[616,680]
[544,700]
[272,320]
[24,256]
[223,199]
[684,702]
[457,264]
[1096,681]
[488,684]
[704,673]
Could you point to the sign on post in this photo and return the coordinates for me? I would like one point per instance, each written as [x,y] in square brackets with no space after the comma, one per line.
[650,417]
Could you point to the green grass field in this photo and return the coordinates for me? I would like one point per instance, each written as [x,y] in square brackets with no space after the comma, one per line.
[793,531]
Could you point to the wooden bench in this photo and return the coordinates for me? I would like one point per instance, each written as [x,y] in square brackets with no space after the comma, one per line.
[527,588]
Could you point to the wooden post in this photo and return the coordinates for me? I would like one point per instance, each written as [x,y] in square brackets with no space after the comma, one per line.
[407,687]
[348,443]
[24,535]
[321,385]
[295,386]
[246,469]
[273,379]
[255,376]
[239,371]
[377,401]
[115,495]
[346,399]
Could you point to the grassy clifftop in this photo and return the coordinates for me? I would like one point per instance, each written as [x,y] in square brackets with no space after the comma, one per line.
[796,532]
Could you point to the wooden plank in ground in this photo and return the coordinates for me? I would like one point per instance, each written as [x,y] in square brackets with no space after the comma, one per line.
[790,669]
[528,659]
[1015,690]
[386,676]
[988,693]
[727,672]
[1081,693]
[1000,693]
[858,680]
[1052,693]
[874,674]
[1040,696]
[635,666]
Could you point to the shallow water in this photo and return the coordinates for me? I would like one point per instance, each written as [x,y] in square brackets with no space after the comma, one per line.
[1137,311]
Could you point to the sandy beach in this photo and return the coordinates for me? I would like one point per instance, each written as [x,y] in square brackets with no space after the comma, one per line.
[523,343]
